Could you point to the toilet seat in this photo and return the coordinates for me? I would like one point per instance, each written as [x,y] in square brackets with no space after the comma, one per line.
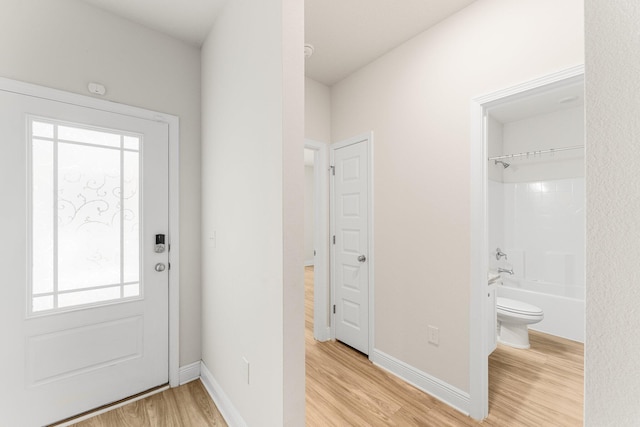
[518,308]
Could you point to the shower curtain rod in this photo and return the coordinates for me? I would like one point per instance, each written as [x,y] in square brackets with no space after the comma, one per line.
[535,153]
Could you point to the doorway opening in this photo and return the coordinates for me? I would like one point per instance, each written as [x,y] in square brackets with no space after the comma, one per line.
[321,237]
[316,234]
[527,148]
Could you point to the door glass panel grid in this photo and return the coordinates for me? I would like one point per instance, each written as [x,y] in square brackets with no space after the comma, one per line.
[85,211]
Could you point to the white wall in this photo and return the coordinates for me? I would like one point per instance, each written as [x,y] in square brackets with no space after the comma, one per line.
[309,213]
[562,128]
[317,111]
[252,200]
[612,383]
[416,99]
[65,45]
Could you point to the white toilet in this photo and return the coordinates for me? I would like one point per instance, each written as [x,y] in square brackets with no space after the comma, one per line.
[513,318]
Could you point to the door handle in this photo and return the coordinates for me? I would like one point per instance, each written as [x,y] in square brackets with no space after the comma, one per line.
[160,267]
[362,258]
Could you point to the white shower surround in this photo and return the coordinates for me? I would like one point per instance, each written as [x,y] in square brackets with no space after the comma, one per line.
[540,226]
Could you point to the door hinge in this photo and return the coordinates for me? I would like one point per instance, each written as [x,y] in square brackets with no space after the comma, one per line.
[334,239]
[334,309]
[333,170]
[314,252]
[169,265]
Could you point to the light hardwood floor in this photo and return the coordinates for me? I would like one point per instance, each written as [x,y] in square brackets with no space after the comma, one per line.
[541,386]
[186,406]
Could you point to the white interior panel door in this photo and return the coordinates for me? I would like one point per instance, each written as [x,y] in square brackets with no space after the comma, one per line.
[83,313]
[351,224]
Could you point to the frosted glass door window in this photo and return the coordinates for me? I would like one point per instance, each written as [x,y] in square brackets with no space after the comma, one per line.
[85,216]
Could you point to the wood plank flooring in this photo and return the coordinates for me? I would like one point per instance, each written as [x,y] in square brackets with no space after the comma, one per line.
[186,406]
[542,386]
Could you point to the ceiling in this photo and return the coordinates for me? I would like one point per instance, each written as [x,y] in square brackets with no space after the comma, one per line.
[546,102]
[346,34]
[187,20]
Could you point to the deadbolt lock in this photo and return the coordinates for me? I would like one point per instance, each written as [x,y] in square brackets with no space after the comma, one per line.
[159,247]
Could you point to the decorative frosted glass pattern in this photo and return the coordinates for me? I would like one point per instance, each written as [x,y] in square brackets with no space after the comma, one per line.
[88,216]
[85,218]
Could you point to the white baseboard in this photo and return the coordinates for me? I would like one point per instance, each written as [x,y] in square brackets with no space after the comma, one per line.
[222,401]
[189,372]
[309,263]
[447,393]
[323,334]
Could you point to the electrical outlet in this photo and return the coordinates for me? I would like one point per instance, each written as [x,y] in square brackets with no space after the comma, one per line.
[434,335]
[248,369]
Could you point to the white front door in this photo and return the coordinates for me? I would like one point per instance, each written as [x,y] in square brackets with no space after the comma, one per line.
[351,245]
[83,312]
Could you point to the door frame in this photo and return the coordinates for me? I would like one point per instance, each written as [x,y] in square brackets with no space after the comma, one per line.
[43,92]
[478,313]
[368,138]
[321,328]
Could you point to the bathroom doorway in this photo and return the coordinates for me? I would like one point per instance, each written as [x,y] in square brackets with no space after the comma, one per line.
[316,234]
[527,225]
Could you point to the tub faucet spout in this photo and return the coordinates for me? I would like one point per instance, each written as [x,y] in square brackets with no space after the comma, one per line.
[504,270]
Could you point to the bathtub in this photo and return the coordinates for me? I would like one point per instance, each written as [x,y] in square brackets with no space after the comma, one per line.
[564,314]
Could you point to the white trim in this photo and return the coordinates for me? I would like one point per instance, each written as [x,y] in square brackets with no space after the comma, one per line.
[309,263]
[174,253]
[368,138]
[92,414]
[478,367]
[321,240]
[372,257]
[223,403]
[531,87]
[174,193]
[190,372]
[478,361]
[445,392]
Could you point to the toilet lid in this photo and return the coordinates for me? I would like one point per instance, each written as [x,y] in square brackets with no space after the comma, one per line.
[517,307]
